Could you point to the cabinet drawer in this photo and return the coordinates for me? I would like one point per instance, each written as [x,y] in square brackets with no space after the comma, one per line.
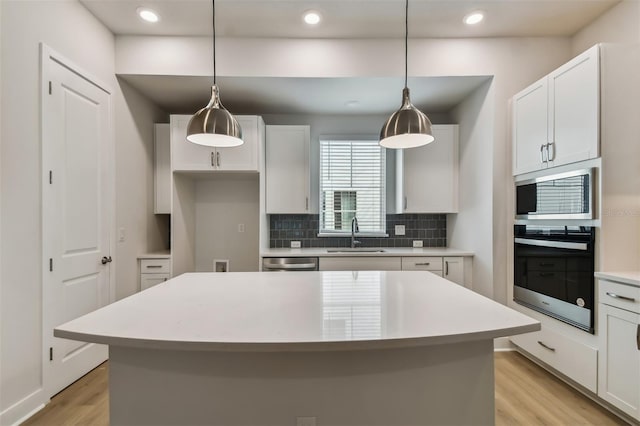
[380,263]
[155,266]
[422,264]
[571,358]
[619,295]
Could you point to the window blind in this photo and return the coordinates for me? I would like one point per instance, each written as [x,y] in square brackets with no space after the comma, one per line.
[352,183]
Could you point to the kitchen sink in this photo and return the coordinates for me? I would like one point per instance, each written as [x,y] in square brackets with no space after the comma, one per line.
[355,250]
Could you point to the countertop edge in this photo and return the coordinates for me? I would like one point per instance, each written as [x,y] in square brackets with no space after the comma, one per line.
[334,346]
[629,278]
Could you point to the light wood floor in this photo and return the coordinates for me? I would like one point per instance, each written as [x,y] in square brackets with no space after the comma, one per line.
[525,395]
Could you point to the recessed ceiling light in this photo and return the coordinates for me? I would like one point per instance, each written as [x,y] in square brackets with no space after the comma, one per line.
[147,14]
[473,18]
[311,17]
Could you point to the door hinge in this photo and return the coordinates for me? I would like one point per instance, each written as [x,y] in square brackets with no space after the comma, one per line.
[50,264]
[50,177]
[50,88]
[51,354]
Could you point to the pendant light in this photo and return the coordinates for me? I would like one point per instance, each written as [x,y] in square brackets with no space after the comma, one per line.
[408,127]
[213,125]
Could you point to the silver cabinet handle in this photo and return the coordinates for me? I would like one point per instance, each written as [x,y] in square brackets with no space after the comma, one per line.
[546,347]
[549,156]
[154,266]
[446,267]
[306,203]
[617,296]
[423,264]
[542,159]
[405,203]
[213,159]
[638,337]
[218,158]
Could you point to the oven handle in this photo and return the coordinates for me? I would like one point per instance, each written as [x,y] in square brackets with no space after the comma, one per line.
[554,244]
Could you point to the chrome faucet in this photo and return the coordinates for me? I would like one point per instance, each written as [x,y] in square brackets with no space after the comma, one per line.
[354,229]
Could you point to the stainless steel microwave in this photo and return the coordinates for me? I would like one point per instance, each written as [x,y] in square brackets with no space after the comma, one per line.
[566,195]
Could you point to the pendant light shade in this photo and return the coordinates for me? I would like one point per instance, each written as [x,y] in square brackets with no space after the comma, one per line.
[408,127]
[213,125]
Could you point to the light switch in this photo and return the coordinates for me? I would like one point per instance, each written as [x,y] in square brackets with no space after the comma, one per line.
[399,229]
[122,236]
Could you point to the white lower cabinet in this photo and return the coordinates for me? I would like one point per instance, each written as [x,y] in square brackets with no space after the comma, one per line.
[619,365]
[577,361]
[360,263]
[153,271]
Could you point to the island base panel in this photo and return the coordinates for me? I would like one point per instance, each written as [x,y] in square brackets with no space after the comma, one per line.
[442,384]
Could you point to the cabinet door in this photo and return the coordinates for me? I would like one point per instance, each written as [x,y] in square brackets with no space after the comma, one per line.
[287,169]
[619,369]
[245,156]
[574,113]
[184,154]
[149,280]
[530,128]
[429,174]
[162,169]
[453,269]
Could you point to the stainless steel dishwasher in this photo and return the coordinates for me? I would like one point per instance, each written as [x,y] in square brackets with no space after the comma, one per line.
[289,264]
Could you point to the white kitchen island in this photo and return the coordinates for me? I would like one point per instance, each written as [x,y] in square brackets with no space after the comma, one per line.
[325,348]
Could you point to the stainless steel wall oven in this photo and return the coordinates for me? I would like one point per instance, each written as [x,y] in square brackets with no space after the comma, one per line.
[553,272]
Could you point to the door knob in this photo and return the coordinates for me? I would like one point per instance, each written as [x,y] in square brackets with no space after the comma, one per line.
[106,260]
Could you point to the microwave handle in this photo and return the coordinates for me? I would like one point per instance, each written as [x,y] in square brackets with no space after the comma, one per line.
[549,243]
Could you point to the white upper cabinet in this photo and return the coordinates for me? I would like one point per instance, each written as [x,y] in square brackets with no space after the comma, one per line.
[556,120]
[187,156]
[427,177]
[530,130]
[162,169]
[287,169]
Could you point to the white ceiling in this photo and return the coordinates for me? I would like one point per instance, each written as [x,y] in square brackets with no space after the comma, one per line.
[341,19]
[351,18]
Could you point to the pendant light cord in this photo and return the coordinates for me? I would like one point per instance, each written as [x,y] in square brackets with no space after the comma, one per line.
[406,41]
[213,24]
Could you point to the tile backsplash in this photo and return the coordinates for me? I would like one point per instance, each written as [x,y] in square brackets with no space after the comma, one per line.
[431,229]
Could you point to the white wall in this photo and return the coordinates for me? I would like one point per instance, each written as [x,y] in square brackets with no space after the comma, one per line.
[221,205]
[134,118]
[24,24]
[469,228]
[620,24]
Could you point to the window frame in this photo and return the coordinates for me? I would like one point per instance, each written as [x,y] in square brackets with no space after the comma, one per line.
[383,203]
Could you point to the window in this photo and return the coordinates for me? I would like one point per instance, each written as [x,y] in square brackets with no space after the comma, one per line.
[352,184]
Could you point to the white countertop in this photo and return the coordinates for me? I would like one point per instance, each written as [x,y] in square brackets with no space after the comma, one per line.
[630,278]
[388,251]
[163,254]
[299,311]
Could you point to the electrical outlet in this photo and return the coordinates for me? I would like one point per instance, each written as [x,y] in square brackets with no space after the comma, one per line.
[417,243]
[306,421]
[399,229]
[241,227]
[295,244]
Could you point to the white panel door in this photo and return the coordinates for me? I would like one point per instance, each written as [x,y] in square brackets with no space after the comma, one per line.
[530,128]
[76,217]
[430,174]
[287,169]
[574,113]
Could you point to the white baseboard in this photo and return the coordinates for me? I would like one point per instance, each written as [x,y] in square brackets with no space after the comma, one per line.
[23,409]
[503,344]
